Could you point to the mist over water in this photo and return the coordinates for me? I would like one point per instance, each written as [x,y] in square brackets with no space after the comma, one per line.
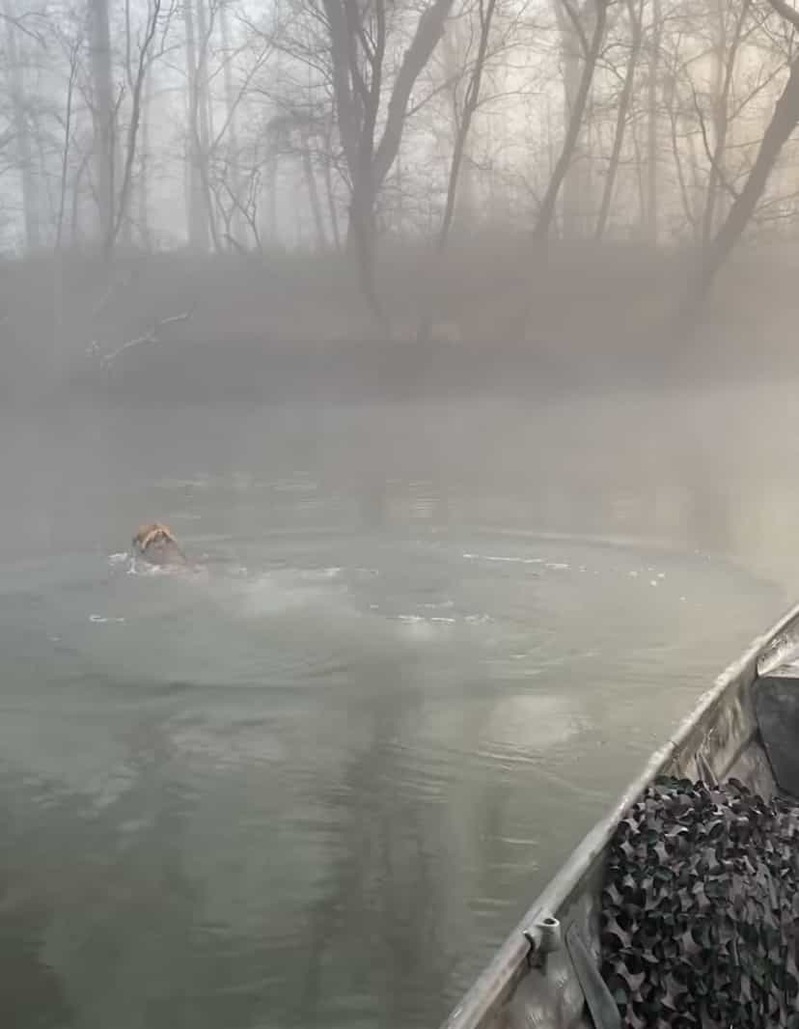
[426,637]
[317,780]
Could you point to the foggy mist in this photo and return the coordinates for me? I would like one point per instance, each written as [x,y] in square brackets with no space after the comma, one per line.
[454,341]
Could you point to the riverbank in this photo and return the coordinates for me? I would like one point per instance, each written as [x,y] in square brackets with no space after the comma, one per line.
[175,327]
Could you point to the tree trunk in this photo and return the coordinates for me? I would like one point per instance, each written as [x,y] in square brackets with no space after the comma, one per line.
[271,185]
[237,226]
[782,124]
[76,229]
[547,211]
[361,241]
[104,116]
[463,125]
[196,206]
[725,73]
[204,121]
[330,199]
[652,127]
[470,103]
[313,192]
[357,95]
[22,136]
[573,186]
[144,166]
[671,109]
[621,119]
[137,76]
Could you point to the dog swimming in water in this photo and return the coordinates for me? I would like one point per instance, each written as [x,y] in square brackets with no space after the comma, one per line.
[155,543]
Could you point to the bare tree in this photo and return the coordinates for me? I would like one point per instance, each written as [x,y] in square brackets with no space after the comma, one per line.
[652,137]
[144,165]
[634,14]
[223,181]
[358,38]
[591,49]
[725,64]
[236,228]
[783,122]
[104,113]
[71,48]
[137,68]
[569,16]
[196,167]
[463,121]
[485,13]
[21,128]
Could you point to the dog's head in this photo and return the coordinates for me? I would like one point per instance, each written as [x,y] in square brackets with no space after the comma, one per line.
[156,543]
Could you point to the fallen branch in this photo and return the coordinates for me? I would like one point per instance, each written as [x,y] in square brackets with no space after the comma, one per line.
[151,336]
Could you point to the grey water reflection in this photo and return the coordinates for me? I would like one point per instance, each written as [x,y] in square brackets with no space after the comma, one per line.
[317,783]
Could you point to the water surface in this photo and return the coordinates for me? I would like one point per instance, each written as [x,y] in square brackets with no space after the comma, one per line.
[317,782]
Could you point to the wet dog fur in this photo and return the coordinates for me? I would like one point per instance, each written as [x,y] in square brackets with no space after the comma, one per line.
[155,543]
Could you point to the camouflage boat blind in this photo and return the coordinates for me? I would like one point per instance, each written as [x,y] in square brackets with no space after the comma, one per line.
[700,909]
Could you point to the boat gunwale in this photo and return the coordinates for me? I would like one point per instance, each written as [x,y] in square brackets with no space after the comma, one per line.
[498,979]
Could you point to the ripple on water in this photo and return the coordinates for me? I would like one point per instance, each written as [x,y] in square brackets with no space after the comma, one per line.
[359,752]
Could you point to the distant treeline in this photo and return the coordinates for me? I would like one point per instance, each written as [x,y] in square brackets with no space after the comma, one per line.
[341,126]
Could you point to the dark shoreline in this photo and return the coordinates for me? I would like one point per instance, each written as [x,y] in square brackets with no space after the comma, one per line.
[200,372]
[171,329]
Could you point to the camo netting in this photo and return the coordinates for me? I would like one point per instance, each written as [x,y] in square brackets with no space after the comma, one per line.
[700,909]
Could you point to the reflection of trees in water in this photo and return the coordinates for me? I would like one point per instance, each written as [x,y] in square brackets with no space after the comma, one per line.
[382,503]
[379,926]
[129,907]
[645,489]
[32,994]
[648,490]
[423,881]
[710,508]
[105,893]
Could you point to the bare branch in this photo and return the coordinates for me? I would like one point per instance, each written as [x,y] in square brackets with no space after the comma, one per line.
[789,13]
[19,23]
[714,163]
[151,336]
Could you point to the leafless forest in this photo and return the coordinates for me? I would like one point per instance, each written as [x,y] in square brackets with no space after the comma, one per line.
[586,179]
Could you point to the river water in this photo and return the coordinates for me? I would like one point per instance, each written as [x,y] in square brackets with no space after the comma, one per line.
[318,780]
